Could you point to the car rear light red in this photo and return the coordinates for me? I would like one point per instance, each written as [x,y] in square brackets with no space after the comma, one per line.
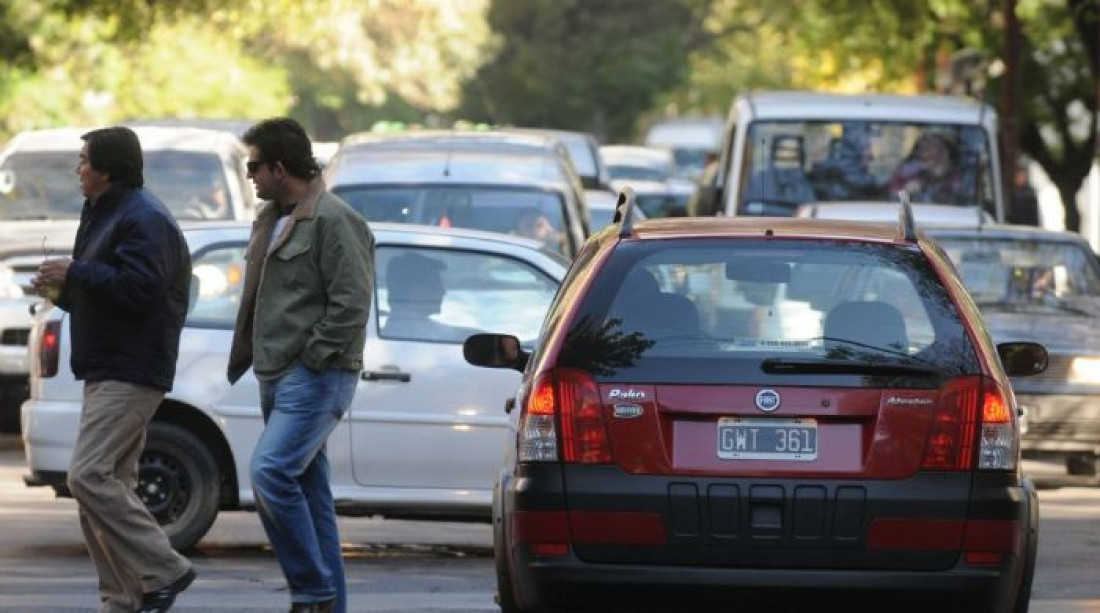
[954,423]
[538,432]
[999,448]
[584,434]
[969,406]
[49,349]
[568,399]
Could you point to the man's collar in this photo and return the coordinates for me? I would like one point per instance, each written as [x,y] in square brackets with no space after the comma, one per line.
[110,196]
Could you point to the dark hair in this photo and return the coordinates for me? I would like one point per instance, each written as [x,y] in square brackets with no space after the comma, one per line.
[282,139]
[116,152]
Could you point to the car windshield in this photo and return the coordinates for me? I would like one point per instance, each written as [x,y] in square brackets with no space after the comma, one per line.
[525,212]
[1025,273]
[638,172]
[44,185]
[725,307]
[792,162]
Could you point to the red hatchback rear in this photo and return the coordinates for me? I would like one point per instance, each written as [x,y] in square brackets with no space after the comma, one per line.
[736,410]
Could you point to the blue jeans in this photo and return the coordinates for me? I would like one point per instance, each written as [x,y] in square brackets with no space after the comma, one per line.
[290,479]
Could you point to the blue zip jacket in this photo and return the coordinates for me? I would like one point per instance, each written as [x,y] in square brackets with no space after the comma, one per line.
[127,290]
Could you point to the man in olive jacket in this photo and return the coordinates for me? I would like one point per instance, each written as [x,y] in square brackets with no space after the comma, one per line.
[301,328]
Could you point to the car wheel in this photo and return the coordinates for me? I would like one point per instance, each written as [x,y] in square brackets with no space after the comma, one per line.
[1027,576]
[1083,466]
[505,597]
[12,395]
[179,482]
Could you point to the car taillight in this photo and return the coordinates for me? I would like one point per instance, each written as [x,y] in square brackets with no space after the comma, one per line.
[538,434]
[49,348]
[967,406]
[571,399]
[999,446]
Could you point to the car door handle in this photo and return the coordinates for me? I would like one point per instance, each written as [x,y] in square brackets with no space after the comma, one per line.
[385,375]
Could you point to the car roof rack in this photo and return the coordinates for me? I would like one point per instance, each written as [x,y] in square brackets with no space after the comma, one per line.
[624,211]
[907,228]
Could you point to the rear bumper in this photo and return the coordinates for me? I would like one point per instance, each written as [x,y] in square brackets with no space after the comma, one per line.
[774,560]
[49,434]
[566,581]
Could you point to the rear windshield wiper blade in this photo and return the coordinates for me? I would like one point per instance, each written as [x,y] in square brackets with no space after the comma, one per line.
[827,366]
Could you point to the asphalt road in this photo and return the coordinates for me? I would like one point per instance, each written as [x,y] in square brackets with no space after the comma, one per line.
[399,566]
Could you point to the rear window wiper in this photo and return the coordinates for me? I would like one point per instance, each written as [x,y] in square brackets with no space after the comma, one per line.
[830,366]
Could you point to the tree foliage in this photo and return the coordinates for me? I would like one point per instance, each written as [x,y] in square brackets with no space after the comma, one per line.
[918,45]
[578,64]
[338,65]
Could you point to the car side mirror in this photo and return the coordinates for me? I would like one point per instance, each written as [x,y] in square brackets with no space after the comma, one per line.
[495,351]
[1023,359]
[704,202]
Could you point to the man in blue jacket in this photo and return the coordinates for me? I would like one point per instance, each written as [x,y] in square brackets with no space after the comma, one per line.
[126,289]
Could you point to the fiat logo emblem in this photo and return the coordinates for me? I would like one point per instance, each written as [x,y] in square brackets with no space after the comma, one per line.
[767,400]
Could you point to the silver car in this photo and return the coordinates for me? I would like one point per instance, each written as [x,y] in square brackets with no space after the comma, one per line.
[1042,286]
[424,434]
[508,182]
[198,173]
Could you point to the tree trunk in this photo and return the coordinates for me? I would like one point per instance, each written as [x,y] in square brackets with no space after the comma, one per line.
[1069,203]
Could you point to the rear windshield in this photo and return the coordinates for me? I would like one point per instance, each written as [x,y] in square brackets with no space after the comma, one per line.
[531,213]
[712,311]
[44,185]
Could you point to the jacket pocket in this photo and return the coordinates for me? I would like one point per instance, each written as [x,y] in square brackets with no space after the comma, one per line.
[292,249]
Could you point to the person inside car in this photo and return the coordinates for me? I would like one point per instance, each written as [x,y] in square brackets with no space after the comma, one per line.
[415,286]
[930,172]
[533,223]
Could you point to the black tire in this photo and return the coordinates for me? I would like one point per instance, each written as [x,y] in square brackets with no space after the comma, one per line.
[179,482]
[12,394]
[1083,465]
[505,597]
[1027,577]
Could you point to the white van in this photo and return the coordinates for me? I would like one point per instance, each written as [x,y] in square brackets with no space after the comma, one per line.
[782,150]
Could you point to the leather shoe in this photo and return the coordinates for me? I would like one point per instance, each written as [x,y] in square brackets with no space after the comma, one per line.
[312,607]
[161,600]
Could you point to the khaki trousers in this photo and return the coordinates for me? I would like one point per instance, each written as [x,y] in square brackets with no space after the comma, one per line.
[131,553]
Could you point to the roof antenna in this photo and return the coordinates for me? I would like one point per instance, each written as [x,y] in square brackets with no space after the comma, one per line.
[906,226]
[624,212]
[447,160]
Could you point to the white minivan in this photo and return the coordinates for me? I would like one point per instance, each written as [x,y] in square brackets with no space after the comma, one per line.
[198,173]
[783,150]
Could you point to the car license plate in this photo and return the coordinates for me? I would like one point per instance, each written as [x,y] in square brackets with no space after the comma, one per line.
[747,438]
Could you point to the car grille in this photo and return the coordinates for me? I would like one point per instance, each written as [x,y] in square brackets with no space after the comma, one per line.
[1062,429]
[16,336]
[1057,370]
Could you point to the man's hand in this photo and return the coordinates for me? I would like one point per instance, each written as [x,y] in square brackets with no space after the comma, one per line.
[51,277]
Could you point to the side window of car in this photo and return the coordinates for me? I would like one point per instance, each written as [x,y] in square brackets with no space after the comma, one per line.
[445,295]
[217,277]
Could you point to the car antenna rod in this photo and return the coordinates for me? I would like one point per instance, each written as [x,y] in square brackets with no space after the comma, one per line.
[624,211]
[906,226]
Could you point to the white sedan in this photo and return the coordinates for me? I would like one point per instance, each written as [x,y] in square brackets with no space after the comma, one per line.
[425,432]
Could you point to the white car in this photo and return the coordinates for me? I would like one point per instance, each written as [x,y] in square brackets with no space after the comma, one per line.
[424,434]
[651,173]
[498,181]
[198,173]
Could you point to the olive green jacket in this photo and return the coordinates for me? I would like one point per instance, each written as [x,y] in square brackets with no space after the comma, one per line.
[307,298]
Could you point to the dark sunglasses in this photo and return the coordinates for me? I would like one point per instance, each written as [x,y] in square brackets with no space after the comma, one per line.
[253,166]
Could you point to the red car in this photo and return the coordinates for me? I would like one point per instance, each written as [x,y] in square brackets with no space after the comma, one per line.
[763,410]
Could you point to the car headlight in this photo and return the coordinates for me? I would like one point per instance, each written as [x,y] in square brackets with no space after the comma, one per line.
[1085,370]
[8,287]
